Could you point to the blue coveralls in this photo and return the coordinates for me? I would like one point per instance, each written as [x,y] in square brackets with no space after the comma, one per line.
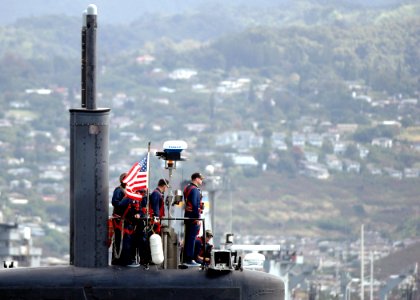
[124,210]
[200,250]
[192,194]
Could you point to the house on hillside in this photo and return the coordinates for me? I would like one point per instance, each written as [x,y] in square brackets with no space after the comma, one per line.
[352,166]
[145,59]
[311,156]
[315,139]
[233,86]
[365,98]
[196,127]
[332,135]
[55,175]
[245,160]
[374,170]
[411,173]
[315,170]
[382,142]
[394,173]
[407,103]
[339,148]
[17,199]
[298,139]
[243,141]
[182,74]
[346,128]
[363,151]
[225,138]
[333,163]
[278,141]
[247,140]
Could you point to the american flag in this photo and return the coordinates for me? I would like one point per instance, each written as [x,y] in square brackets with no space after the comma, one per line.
[136,179]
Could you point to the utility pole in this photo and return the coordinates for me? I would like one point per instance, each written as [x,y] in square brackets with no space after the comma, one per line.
[362,264]
[371,275]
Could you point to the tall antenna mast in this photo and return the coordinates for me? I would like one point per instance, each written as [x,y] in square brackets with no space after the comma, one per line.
[362,263]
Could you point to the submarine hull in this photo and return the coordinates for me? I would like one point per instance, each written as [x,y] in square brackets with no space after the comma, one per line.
[70,282]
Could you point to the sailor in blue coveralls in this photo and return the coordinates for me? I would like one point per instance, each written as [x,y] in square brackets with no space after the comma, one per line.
[193,209]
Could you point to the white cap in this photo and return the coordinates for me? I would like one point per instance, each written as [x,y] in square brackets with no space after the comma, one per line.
[92,9]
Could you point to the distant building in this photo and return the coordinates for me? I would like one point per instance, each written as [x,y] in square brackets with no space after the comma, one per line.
[382,142]
[298,139]
[233,86]
[145,59]
[315,139]
[245,160]
[394,173]
[411,173]
[315,170]
[196,127]
[311,156]
[339,148]
[374,170]
[352,166]
[333,163]
[278,141]
[363,151]
[365,98]
[16,245]
[391,123]
[243,141]
[52,175]
[407,103]
[182,74]
[346,128]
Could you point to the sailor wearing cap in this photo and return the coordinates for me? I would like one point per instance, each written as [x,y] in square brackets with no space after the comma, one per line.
[193,208]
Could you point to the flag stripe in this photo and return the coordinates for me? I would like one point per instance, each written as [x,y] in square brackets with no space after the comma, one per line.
[133,196]
[132,173]
[136,179]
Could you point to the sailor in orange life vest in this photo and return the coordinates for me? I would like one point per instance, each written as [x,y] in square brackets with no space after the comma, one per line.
[193,209]
[125,213]
[202,250]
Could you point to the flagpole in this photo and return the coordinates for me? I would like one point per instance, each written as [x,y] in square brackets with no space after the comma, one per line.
[147,186]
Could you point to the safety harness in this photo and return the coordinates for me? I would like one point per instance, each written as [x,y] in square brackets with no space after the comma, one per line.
[118,222]
[188,204]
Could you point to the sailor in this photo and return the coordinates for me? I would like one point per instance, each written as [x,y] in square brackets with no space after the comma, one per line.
[156,211]
[124,214]
[117,196]
[193,208]
[156,203]
[202,251]
[141,233]
[119,191]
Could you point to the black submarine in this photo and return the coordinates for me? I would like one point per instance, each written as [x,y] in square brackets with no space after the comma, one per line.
[89,275]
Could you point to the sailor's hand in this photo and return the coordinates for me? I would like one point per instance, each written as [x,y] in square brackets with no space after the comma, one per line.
[156,219]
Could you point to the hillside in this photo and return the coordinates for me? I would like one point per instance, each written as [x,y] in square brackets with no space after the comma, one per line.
[129,10]
[299,206]
[254,83]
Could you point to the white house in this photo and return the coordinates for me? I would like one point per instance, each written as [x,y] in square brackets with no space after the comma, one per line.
[245,160]
[382,142]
